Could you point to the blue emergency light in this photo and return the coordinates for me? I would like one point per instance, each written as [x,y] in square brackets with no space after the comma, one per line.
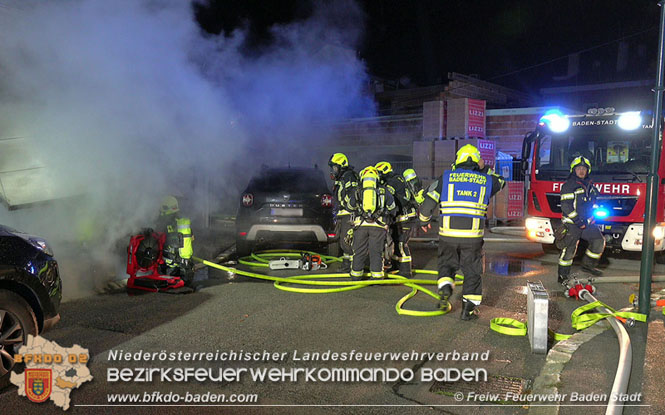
[600,213]
[555,120]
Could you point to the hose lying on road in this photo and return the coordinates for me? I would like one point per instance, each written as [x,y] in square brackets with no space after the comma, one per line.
[342,282]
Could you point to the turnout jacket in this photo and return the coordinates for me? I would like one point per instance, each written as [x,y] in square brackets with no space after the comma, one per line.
[342,190]
[577,199]
[404,199]
[462,195]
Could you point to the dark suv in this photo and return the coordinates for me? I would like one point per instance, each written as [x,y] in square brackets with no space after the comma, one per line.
[30,293]
[285,206]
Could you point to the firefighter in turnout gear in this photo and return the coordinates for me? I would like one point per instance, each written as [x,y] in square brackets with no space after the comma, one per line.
[406,217]
[345,180]
[178,249]
[415,185]
[462,195]
[374,208]
[578,195]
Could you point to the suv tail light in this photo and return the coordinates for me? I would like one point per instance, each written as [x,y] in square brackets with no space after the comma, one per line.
[247,199]
[326,200]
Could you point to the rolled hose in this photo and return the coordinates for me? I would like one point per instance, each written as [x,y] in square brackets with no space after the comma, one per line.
[261,260]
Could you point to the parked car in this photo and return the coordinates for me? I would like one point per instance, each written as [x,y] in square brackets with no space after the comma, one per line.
[282,207]
[30,293]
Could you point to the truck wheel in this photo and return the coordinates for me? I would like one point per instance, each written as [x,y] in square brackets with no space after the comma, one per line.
[17,320]
[660,257]
[550,248]
[333,249]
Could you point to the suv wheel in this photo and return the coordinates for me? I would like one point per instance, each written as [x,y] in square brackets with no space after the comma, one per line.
[243,248]
[17,320]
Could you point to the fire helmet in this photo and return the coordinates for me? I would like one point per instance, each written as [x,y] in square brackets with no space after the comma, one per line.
[580,160]
[338,159]
[383,167]
[169,206]
[467,152]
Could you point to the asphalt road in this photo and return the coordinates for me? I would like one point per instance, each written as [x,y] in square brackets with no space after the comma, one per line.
[233,313]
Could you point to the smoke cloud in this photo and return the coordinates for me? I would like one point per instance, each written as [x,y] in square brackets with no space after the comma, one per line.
[120,103]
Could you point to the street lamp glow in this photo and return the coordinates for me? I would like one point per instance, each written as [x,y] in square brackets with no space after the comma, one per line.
[630,120]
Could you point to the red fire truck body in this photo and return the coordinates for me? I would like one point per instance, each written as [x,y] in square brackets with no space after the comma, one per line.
[620,153]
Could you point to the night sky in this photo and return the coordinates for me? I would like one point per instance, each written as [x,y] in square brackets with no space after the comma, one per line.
[521,44]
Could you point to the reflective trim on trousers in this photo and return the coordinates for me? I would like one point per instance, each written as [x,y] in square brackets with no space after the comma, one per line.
[592,254]
[443,281]
[356,273]
[476,299]
[377,274]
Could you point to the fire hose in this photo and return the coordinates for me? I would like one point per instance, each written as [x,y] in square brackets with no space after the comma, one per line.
[262,260]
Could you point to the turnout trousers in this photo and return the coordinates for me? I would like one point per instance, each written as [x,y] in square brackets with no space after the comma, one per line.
[596,241]
[401,233]
[368,243]
[465,253]
[344,224]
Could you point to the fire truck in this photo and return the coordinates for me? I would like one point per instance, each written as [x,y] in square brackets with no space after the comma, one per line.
[619,146]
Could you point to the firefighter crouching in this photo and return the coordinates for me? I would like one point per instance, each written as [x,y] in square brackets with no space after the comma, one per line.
[463,195]
[406,217]
[345,179]
[178,250]
[578,195]
[374,207]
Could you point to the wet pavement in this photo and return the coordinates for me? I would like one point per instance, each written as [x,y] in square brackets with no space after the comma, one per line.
[236,313]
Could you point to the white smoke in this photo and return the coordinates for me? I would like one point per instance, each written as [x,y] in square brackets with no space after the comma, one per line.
[126,101]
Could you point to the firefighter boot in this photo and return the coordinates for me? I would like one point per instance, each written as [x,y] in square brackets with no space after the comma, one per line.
[589,266]
[444,293]
[469,310]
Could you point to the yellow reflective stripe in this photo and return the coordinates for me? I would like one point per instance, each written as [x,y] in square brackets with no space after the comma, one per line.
[565,263]
[482,194]
[434,195]
[373,224]
[377,274]
[461,233]
[448,211]
[566,220]
[410,176]
[592,255]
[405,259]
[579,191]
[357,273]
[476,223]
[446,222]
[567,196]
[406,217]
[423,218]
[476,299]
[572,215]
[443,281]
[451,190]
[463,204]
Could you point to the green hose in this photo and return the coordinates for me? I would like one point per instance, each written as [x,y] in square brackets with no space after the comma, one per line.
[261,259]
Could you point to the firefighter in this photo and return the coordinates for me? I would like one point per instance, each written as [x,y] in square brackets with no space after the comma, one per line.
[178,250]
[463,195]
[578,195]
[374,208]
[415,185]
[345,179]
[406,216]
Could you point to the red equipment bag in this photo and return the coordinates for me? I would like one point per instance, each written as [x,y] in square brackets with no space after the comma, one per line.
[144,256]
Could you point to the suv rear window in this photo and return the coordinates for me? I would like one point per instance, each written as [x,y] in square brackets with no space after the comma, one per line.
[305,181]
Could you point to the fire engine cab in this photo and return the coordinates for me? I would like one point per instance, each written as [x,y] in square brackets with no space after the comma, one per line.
[619,146]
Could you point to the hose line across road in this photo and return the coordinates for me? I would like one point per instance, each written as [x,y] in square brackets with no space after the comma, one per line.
[336,282]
